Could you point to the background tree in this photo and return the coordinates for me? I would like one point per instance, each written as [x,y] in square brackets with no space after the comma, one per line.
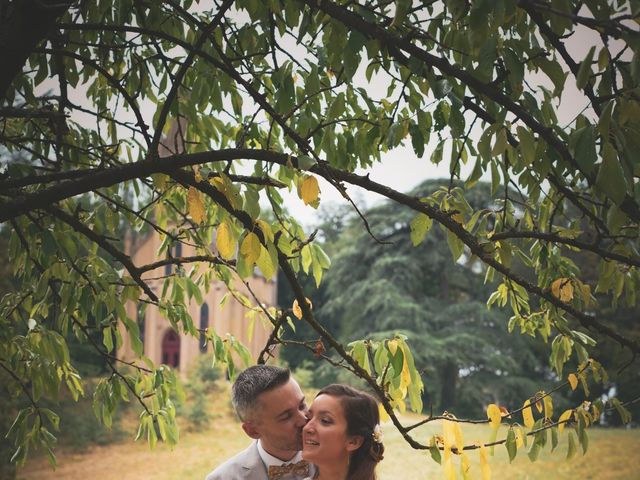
[467,355]
[91,91]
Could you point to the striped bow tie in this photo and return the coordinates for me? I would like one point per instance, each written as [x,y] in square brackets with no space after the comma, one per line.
[301,468]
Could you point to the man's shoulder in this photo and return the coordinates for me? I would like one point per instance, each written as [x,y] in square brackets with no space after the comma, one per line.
[236,467]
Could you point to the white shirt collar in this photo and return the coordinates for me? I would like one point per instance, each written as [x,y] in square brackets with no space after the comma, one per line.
[270,460]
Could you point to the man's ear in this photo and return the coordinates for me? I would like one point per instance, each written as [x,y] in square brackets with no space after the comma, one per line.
[250,429]
[354,442]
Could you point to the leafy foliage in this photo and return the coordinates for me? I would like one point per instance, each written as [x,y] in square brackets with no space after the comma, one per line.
[463,348]
[122,114]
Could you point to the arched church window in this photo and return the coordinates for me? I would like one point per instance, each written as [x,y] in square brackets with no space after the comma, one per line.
[204,323]
[141,320]
[171,348]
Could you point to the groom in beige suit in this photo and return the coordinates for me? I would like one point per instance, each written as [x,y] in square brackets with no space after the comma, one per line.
[272,409]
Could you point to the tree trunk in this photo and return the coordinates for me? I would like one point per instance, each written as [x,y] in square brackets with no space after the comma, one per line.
[449,382]
[23,25]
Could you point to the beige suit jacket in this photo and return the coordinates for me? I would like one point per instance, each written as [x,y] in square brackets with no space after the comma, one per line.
[246,465]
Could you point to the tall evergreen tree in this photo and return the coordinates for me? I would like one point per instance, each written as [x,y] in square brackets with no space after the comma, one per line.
[381,283]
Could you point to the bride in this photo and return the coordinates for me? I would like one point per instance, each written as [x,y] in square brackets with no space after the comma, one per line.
[343,437]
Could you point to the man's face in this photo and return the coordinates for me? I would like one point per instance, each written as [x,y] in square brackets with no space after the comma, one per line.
[278,420]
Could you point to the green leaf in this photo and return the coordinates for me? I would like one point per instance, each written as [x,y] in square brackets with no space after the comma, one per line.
[495,179]
[456,122]
[305,162]
[527,145]
[402,9]
[583,438]
[571,449]
[534,451]
[512,447]
[583,142]
[417,140]
[337,107]
[554,438]
[441,88]
[584,71]
[434,450]
[501,143]
[436,156]
[555,72]
[455,245]
[610,179]
[107,339]
[420,226]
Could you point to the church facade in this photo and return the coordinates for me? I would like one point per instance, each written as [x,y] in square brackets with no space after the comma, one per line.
[164,345]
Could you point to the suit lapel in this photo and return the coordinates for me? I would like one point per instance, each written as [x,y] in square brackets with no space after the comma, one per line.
[253,467]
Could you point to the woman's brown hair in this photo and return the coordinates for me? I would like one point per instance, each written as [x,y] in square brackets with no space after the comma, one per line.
[362,415]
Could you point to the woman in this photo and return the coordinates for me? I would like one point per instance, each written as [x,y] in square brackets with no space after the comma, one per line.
[343,437]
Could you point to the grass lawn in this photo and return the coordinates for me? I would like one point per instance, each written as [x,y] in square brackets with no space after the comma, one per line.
[612,454]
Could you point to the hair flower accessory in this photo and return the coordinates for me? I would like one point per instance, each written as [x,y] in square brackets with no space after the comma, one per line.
[377,434]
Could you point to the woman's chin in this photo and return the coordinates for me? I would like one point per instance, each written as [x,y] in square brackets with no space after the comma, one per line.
[308,454]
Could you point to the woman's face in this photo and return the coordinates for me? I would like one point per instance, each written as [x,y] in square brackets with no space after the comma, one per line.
[324,437]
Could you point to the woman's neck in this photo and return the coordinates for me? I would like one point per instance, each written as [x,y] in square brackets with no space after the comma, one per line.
[333,471]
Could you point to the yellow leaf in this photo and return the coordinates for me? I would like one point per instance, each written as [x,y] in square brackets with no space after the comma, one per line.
[384,416]
[573,381]
[393,346]
[223,184]
[538,403]
[405,376]
[484,463]
[457,432]
[527,415]
[297,311]
[493,414]
[585,290]
[562,288]
[196,205]
[310,191]
[401,405]
[265,263]
[225,241]
[266,230]
[250,248]
[449,470]
[465,466]
[563,419]
[448,435]
[519,437]
[548,407]
[218,183]
[160,181]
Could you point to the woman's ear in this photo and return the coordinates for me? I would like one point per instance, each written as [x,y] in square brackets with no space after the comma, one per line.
[354,442]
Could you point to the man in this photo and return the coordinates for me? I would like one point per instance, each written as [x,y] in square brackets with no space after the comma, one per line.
[272,409]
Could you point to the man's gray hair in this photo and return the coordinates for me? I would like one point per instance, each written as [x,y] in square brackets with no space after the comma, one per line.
[252,382]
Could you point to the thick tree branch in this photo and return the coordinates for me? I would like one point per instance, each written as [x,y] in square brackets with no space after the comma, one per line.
[558,239]
[23,25]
